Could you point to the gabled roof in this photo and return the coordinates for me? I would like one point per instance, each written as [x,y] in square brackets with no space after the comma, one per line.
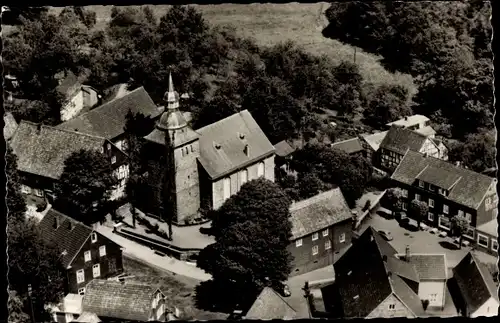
[87,317]
[374,140]
[409,121]
[222,144]
[400,139]
[112,299]
[446,178]
[43,150]
[350,146]
[490,228]
[108,120]
[283,148]
[429,266]
[469,190]
[318,212]
[10,125]
[270,306]
[364,285]
[65,239]
[475,282]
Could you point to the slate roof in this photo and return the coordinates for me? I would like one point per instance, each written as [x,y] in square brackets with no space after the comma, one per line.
[445,180]
[318,212]
[350,146]
[469,190]
[374,140]
[400,139]
[403,269]
[108,120]
[44,151]
[112,299]
[181,137]
[10,125]
[227,135]
[270,306]
[429,266]
[475,282]
[490,228]
[64,238]
[409,121]
[283,148]
[364,285]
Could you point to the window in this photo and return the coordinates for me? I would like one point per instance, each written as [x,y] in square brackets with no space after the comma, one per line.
[342,237]
[460,213]
[87,256]
[227,187]
[298,243]
[81,291]
[325,232]
[243,176]
[433,297]
[109,146]
[482,240]
[80,276]
[25,189]
[113,159]
[404,206]
[417,197]
[38,192]
[494,245]
[446,209]
[192,149]
[430,216]
[102,251]
[315,250]
[431,202]
[468,217]
[405,193]
[469,233]
[260,169]
[187,150]
[93,237]
[444,223]
[432,187]
[488,200]
[328,244]
[315,236]
[69,317]
[392,306]
[421,184]
[96,270]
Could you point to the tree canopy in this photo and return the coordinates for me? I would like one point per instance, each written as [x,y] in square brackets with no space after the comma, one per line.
[252,232]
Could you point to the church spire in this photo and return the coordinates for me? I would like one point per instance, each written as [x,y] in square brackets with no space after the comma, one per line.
[171,96]
[172,118]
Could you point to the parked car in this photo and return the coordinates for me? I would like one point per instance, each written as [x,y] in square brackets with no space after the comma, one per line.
[386,235]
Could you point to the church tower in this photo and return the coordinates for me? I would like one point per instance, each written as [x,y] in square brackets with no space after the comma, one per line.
[173,130]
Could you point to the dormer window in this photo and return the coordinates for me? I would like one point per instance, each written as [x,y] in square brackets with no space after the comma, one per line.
[217,146]
[56,223]
[242,136]
[70,225]
[93,237]
[421,184]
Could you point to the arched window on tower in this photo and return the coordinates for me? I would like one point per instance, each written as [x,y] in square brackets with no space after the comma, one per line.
[260,170]
[226,182]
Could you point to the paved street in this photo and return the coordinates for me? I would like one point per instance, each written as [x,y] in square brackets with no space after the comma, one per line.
[139,251]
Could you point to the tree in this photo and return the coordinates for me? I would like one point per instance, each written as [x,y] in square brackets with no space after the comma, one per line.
[252,232]
[460,226]
[394,198]
[84,188]
[16,205]
[389,102]
[477,152]
[418,210]
[310,185]
[16,308]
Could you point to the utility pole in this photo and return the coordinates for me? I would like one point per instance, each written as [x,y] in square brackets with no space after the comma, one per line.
[31,304]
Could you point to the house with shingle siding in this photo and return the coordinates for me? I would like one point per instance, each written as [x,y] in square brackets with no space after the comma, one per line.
[42,151]
[448,190]
[108,120]
[85,253]
[321,229]
[112,300]
[478,293]
[399,140]
[269,305]
[212,163]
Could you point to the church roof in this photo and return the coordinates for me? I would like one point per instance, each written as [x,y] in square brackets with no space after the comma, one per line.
[181,136]
[222,144]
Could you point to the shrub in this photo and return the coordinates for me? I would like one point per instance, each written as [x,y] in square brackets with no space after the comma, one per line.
[41,206]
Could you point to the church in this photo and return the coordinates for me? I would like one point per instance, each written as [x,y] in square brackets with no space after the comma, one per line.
[211,163]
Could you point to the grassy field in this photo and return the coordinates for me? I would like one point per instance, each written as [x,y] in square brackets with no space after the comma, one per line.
[270,24]
[179,290]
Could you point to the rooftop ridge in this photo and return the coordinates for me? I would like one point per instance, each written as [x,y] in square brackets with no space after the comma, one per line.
[54,128]
[339,142]
[231,116]
[304,203]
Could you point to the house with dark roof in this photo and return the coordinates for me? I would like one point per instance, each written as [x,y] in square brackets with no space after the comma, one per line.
[108,120]
[212,163]
[448,190]
[42,151]
[477,292]
[77,96]
[85,253]
[269,305]
[371,281]
[321,230]
[111,300]
[351,146]
[399,140]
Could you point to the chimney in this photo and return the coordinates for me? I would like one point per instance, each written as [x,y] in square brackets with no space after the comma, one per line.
[70,225]
[407,253]
[406,118]
[56,222]
[246,150]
